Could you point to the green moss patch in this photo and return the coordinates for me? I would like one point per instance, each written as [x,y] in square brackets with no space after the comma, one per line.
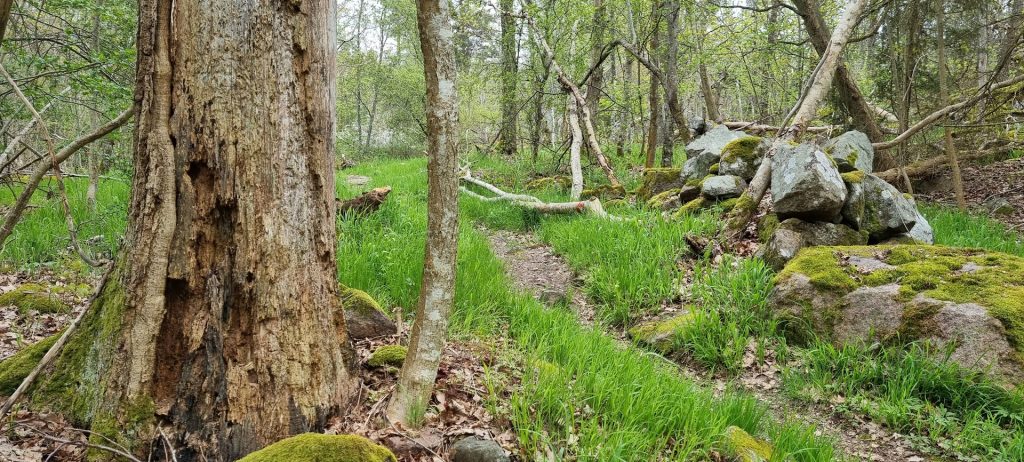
[660,334]
[853,177]
[560,181]
[741,148]
[990,279]
[358,301]
[740,445]
[33,297]
[388,355]
[316,447]
[766,227]
[658,200]
[15,368]
[604,192]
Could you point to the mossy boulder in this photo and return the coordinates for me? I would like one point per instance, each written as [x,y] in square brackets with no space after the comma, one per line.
[658,180]
[364,317]
[966,299]
[722,187]
[316,447]
[692,207]
[887,212]
[665,200]
[805,184]
[33,297]
[793,235]
[559,181]
[604,192]
[388,355]
[740,445]
[15,368]
[851,151]
[660,335]
[766,227]
[742,157]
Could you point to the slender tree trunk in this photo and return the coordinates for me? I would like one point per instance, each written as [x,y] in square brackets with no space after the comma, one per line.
[947,132]
[575,166]
[710,98]
[676,127]
[654,96]
[96,153]
[416,382]
[537,119]
[220,324]
[359,76]
[849,93]
[1012,36]
[5,15]
[911,27]
[509,79]
[596,82]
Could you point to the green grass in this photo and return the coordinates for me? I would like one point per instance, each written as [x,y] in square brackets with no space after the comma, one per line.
[42,235]
[587,397]
[958,229]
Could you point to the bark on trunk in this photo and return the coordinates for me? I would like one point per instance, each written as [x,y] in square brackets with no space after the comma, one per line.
[509,65]
[221,323]
[846,86]
[1012,36]
[677,125]
[710,98]
[437,293]
[575,166]
[596,82]
[5,14]
[947,132]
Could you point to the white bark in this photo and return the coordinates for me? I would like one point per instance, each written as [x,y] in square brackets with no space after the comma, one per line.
[575,166]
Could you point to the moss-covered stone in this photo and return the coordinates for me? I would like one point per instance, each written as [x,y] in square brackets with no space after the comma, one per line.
[766,227]
[854,177]
[739,444]
[15,368]
[713,169]
[615,203]
[691,207]
[991,280]
[33,297]
[560,181]
[657,180]
[604,192]
[358,301]
[728,204]
[660,335]
[658,200]
[744,148]
[316,447]
[388,355]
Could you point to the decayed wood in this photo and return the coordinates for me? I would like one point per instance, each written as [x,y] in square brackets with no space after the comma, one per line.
[569,87]
[592,206]
[225,294]
[437,292]
[755,127]
[931,165]
[365,203]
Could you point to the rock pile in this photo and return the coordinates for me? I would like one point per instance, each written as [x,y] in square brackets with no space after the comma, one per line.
[829,197]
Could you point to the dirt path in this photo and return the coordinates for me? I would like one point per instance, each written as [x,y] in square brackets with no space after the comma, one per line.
[534,267]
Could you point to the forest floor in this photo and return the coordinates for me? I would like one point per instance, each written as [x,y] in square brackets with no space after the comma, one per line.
[534,267]
[983,183]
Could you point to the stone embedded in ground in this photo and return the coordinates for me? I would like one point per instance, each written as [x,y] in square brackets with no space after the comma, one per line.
[660,335]
[742,157]
[33,297]
[658,180]
[740,445]
[793,234]
[852,151]
[887,212]
[966,300]
[666,200]
[475,449]
[922,231]
[364,317]
[316,447]
[560,181]
[604,192]
[723,187]
[805,184]
[688,193]
[388,355]
[999,206]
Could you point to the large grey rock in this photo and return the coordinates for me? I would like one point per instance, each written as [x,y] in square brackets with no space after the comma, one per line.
[852,151]
[723,187]
[742,157]
[474,449]
[792,235]
[805,184]
[887,212]
[853,208]
[713,141]
[698,165]
[826,292]
[922,231]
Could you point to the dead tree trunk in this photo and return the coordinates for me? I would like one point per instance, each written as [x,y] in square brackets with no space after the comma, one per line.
[437,293]
[220,324]
[576,141]
[947,132]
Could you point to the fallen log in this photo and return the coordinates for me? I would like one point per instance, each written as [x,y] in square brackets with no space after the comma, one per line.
[592,206]
[364,204]
[930,166]
[755,127]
